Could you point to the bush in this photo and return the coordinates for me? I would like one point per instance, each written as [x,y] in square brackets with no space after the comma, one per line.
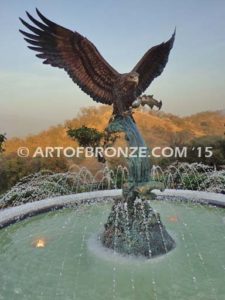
[217,145]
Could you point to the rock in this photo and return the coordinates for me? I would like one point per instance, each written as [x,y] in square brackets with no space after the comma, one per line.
[136,232]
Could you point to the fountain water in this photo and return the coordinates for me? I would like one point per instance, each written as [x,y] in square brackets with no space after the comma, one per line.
[73,264]
[46,184]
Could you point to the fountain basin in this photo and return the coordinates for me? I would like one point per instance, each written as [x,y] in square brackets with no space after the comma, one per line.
[11,215]
[72,264]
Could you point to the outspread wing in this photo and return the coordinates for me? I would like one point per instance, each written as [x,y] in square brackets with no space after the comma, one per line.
[152,64]
[69,50]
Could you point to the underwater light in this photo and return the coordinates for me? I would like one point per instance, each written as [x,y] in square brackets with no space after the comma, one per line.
[40,243]
[173,219]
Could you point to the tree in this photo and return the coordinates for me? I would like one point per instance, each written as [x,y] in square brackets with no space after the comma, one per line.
[2,142]
[86,136]
[91,137]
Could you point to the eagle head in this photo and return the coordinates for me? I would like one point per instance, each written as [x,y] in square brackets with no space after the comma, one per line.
[132,77]
[128,82]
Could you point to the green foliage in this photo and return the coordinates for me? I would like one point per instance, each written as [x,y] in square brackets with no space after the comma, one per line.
[46,183]
[119,176]
[13,168]
[197,151]
[86,136]
[2,142]
[187,176]
[215,182]
[193,182]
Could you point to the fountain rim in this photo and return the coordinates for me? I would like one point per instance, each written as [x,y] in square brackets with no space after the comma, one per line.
[15,214]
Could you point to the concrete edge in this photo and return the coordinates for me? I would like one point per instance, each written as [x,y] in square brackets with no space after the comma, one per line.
[11,215]
[207,198]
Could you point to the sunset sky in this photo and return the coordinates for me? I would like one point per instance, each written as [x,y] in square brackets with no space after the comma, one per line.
[34,96]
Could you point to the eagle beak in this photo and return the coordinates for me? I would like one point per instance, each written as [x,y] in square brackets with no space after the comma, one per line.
[134,79]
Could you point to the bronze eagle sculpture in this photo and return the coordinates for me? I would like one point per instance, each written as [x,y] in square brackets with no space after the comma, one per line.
[63,48]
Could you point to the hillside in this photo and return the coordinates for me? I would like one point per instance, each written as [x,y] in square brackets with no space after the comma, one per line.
[158,128]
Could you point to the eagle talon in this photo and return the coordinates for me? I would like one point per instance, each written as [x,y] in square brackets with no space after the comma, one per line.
[127,113]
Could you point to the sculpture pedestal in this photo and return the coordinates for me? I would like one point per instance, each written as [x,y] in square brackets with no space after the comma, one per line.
[138,232]
[132,226]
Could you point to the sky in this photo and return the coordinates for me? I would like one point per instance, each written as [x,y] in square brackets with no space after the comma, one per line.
[34,96]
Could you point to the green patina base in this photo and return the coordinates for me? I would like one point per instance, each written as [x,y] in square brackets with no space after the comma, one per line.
[132,226]
[139,232]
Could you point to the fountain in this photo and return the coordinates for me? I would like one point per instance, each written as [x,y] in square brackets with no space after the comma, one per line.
[132,227]
[102,243]
[59,254]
